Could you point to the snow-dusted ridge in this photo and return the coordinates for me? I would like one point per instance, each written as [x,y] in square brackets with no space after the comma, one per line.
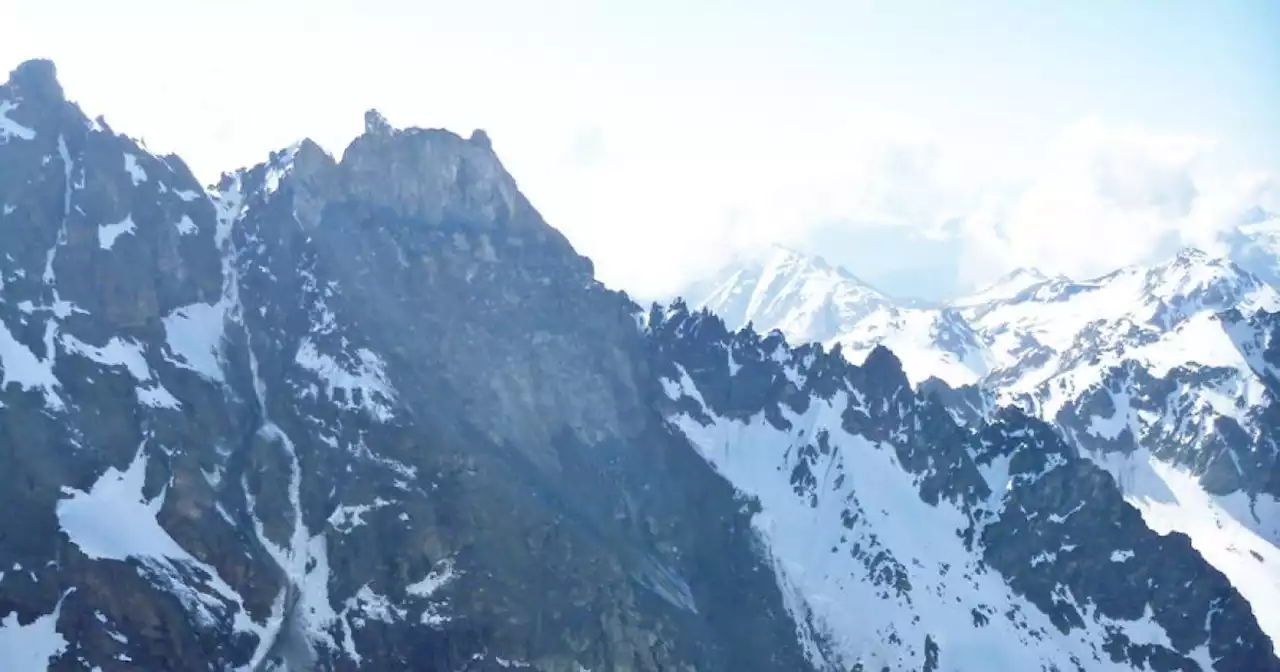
[987,547]
[1168,370]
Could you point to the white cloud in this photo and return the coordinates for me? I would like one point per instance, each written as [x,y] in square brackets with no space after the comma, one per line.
[1107,196]
[657,210]
[660,210]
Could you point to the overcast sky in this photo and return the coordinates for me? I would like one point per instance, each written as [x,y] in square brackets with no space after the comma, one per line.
[927,146]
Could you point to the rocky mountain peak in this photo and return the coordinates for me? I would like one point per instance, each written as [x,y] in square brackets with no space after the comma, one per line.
[434,176]
[481,139]
[376,124]
[36,81]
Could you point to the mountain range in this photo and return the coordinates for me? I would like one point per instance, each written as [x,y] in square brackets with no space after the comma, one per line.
[372,412]
[1166,376]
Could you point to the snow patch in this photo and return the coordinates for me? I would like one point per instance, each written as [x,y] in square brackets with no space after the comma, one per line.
[113,520]
[363,386]
[348,517]
[117,352]
[22,366]
[31,646]
[135,171]
[373,606]
[437,578]
[9,128]
[156,396]
[194,335]
[186,227]
[108,233]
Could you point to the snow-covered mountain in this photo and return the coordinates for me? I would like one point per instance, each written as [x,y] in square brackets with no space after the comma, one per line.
[904,540]
[373,413]
[803,296]
[1158,373]
[810,300]
[1007,287]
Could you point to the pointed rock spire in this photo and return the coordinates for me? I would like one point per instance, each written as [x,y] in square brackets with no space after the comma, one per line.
[376,124]
[37,81]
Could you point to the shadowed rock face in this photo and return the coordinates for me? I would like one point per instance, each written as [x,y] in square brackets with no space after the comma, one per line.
[379,398]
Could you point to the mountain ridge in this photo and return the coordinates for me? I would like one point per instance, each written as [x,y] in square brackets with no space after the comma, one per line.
[375,413]
[1168,355]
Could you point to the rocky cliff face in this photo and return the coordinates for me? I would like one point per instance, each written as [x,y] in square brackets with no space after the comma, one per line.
[360,414]
[374,413]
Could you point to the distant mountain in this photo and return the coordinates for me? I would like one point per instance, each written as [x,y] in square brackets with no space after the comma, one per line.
[1160,374]
[1007,287]
[803,296]
[810,300]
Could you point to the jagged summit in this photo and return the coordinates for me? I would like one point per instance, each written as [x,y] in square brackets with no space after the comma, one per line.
[36,81]
[376,124]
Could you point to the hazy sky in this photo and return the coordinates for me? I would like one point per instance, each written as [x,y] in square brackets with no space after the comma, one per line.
[927,146]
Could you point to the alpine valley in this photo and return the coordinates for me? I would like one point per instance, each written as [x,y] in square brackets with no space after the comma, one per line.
[372,412]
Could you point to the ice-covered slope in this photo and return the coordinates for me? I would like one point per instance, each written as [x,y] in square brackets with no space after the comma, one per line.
[904,540]
[809,300]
